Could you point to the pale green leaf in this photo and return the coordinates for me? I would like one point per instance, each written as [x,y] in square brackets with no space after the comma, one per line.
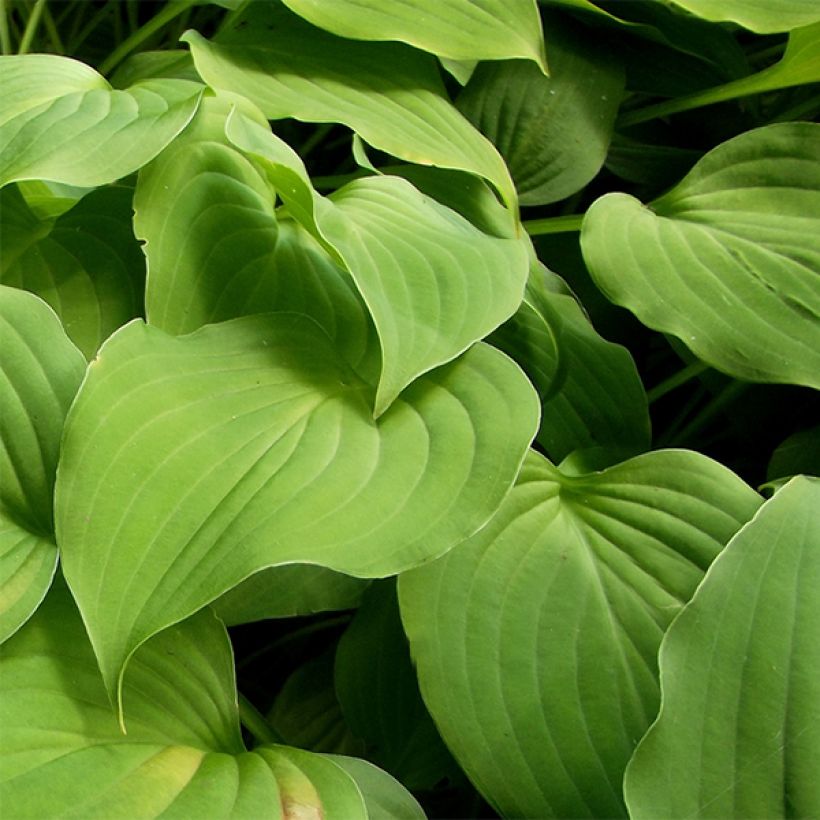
[553,132]
[729,259]
[61,121]
[86,264]
[389,93]
[539,634]
[64,754]
[40,371]
[191,462]
[760,16]
[738,734]
[286,591]
[433,282]
[379,694]
[457,29]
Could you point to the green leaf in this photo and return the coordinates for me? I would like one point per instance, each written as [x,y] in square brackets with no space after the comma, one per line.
[433,282]
[61,121]
[389,93]
[729,259]
[191,462]
[307,714]
[292,589]
[760,16]
[86,264]
[40,371]
[799,453]
[539,634]
[739,730]
[553,132]
[379,694]
[64,754]
[457,29]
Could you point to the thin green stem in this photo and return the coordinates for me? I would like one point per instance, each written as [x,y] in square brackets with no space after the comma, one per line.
[78,38]
[5,35]
[315,138]
[165,16]
[805,109]
[676,380]
[331,183]
[568,223]
[726,396]
[255,723]
[31,27]
[53,33]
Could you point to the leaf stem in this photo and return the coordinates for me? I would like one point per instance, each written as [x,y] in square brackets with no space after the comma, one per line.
[676,380]
[255,723]
[337,180]
[162,18]
[53,33]
[5,36]
[568,223]
[31,27]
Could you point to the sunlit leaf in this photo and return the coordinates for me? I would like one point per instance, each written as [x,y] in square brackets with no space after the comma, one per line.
[390,94]
[538,636]
[739,730]
[729,259]
[61,121]
[457,29]
[40,371]
[761,16]
[64,753]
[191,462]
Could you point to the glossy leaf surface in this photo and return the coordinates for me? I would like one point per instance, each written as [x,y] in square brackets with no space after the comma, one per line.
[190,463]
[182,756]
[458,29]
[539,634]
[40,371]
[389,93]
[728,260]
[739,729]
[60,120]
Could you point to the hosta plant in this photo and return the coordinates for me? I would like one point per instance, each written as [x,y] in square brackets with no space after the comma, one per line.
[409,408]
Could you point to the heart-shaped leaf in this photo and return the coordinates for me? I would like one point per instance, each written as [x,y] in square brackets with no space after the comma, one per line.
[538,636]
[40,371]
[457,29]
[191,462]
[738,734]
[86,264]
[389,93]
[552,131]
[728,260]
[62,121]
[64,753]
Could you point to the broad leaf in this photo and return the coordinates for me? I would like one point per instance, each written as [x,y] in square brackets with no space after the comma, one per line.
[64,754]
[61,121]
[191,462]
[389,93]
[40,371]
[739,730]
[292,589]
[379,695]
[552,131]
[539,634]
[86,264]
[761,16]
[799,453]
[728,260]
[433,282]
[457,29]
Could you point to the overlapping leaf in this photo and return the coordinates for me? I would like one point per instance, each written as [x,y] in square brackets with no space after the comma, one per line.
[457,29]
[761,16]
[60,120]
[86,264]
[433,282]
[183,755]
[729,260]
[388,93]
[189,463]
[739,730]
[552,131]
[40,371]
[536,639]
